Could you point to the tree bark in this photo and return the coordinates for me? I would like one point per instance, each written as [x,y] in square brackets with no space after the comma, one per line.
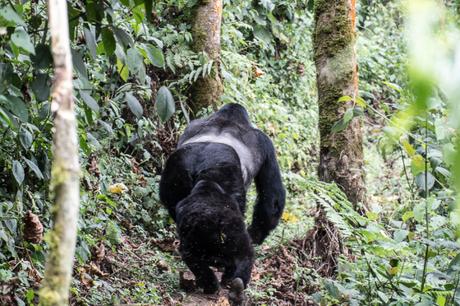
[207,21]
[65,170]
[341,153]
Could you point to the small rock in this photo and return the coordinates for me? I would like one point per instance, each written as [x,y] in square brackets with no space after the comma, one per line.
[187,281]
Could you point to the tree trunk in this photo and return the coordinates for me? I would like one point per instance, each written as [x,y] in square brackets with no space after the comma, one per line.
[65,170]
[206,37]
[341,153]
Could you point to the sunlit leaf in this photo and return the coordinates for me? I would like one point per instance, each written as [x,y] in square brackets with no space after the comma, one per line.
[408,147]
[345,99]
[417,164]
[122,70]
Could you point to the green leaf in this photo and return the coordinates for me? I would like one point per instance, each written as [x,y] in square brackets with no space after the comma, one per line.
[134,60]
[148,9]
[134,105]
[5,275]
[113,233]
[33,166]
[42,58]
[123,38]
[345,99]
[417,164]
[18,172]
[90,42]
[155,55]
[393,86]
[400,235]
[109,41]
[16,106]
[339,126]
[21,40]
[25,137]
[454,265]
[165,104]
[122,70]
[348,115]
[5,118]
[407,215]
[420,181]
[79,64]
[41,87]
[89,101]
[361,102]
[9,18]
[358,111]
[30,294]
[446,173]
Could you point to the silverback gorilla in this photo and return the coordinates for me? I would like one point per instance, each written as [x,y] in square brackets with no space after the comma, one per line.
[204,185]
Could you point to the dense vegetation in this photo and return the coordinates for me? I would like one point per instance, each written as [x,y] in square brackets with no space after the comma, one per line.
[133,72]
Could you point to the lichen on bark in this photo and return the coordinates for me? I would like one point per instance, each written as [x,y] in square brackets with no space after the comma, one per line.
[341,154]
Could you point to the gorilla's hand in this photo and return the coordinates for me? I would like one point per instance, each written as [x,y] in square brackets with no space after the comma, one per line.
[256,234]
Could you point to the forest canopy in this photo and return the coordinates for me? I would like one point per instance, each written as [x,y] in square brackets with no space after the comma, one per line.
[360,99]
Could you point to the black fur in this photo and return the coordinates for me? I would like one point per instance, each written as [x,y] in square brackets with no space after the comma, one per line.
[212,233]
[204,188]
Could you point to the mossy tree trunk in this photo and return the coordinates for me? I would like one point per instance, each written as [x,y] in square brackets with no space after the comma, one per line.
[207,21]
[65,170]
[341,153]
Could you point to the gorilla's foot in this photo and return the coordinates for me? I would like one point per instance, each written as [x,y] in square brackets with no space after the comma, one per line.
[236,294]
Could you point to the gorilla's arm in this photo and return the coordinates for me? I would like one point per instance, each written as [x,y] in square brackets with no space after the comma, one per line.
[270,193]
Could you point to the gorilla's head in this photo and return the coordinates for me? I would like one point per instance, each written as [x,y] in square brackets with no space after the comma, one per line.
[234,112]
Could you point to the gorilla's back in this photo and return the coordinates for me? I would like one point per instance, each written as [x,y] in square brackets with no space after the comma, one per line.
[230,126]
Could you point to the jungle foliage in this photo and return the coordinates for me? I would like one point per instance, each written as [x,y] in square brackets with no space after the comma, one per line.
[133,69]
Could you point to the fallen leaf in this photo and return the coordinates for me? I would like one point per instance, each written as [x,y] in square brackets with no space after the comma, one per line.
[96,270]
[100,252]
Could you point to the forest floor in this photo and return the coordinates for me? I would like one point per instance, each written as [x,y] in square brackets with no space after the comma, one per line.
[142,270]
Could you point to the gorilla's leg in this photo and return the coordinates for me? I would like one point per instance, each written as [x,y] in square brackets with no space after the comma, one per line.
[229,272]
[243,270]
[205,277]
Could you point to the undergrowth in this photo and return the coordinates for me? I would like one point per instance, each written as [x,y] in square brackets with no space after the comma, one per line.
[127,247]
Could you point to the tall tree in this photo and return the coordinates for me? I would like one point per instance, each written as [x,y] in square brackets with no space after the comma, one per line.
[341,153]
[206,37]
[65,170]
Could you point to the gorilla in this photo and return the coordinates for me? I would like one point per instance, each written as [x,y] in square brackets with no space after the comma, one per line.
[203,186]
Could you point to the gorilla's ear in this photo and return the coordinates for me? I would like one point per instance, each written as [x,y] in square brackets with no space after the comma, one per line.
[205,185]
